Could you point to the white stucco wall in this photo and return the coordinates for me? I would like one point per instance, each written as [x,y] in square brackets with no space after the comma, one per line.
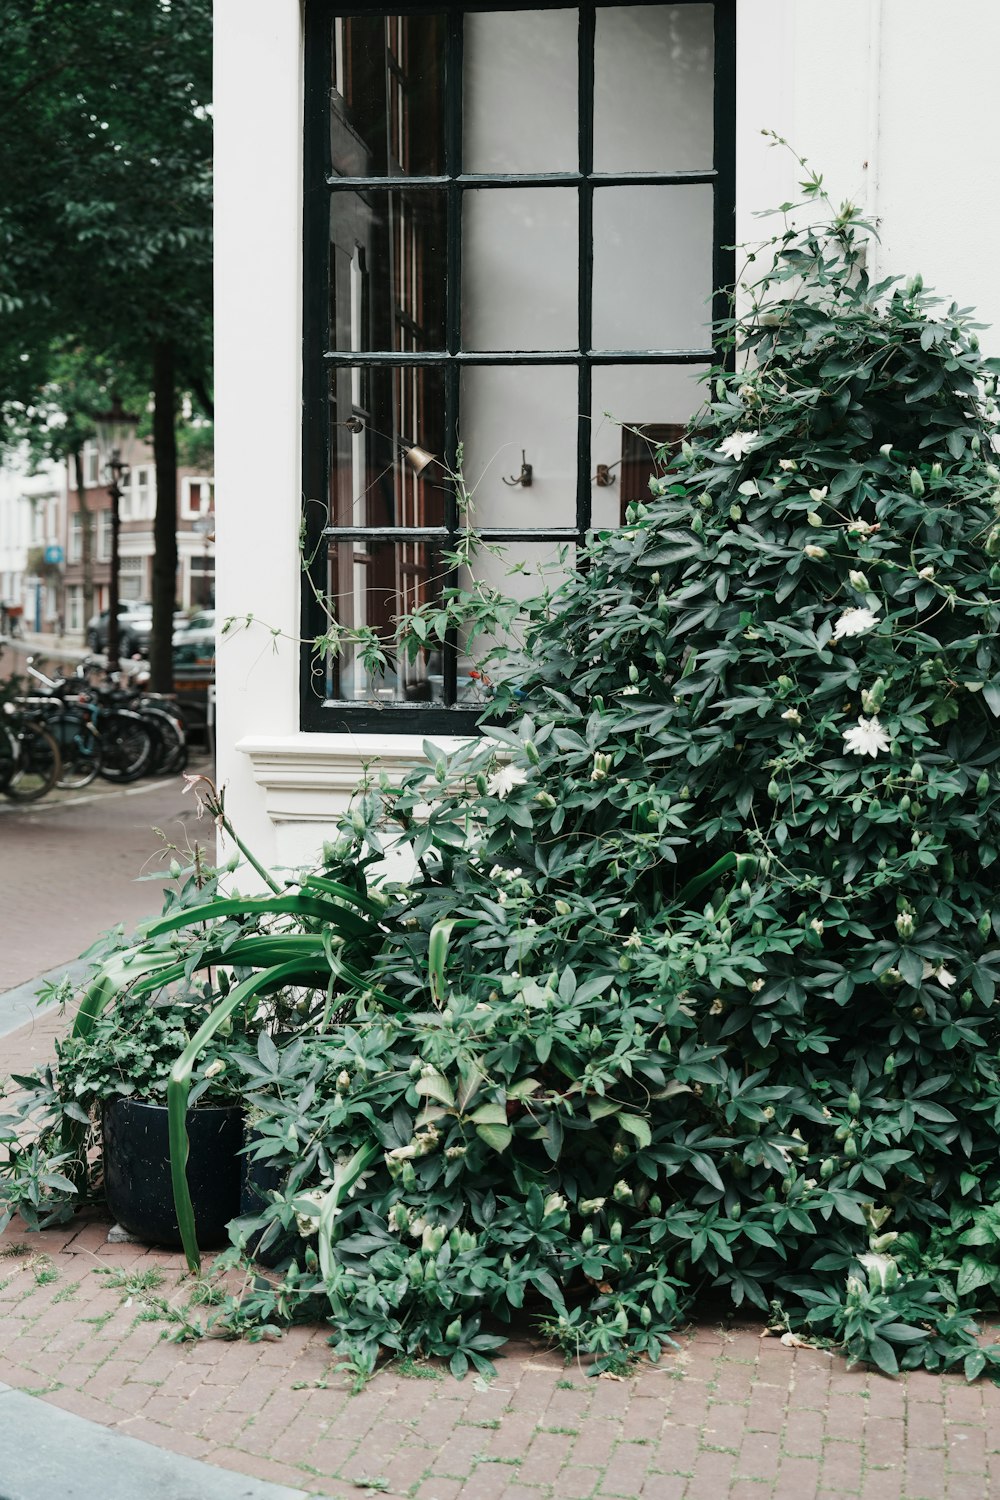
[892,100]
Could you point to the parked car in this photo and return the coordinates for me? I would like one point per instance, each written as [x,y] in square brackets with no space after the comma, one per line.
[135,622]
[194,642]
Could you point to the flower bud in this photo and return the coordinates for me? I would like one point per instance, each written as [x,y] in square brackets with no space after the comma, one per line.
[531,751]
[904,925]
[813,519]
[916,483]
[816,553]
[983,784]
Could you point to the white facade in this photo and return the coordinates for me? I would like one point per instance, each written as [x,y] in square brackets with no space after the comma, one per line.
[892,100]
[30,521]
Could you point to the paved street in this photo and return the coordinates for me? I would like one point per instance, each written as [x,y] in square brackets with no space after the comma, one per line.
[731,1414]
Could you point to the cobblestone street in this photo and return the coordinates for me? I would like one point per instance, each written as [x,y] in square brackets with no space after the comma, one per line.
[731,1413]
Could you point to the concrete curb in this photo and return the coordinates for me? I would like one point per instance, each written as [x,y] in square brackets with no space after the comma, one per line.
[19,1005]
[46,1452]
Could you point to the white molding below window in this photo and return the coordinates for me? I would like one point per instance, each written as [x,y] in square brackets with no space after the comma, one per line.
[310,778]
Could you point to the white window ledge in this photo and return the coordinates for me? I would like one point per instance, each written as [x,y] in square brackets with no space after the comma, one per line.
[310,778]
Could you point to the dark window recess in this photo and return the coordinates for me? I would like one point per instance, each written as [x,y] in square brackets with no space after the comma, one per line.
[514,217]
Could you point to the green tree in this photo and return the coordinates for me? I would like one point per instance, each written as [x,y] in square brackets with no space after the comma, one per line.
[105,155]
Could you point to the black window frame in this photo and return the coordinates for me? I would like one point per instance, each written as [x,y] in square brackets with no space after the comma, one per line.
[337,716]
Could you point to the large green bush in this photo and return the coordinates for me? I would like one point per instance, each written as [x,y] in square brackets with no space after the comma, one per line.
[711,922]
[693,986]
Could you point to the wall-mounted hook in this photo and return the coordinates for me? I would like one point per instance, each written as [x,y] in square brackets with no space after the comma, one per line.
[525,476]
[604,476]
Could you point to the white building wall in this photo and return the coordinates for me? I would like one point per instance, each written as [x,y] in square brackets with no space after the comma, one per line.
[892,100]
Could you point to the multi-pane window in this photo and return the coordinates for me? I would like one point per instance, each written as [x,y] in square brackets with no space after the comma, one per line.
[196,497]
[138,502]
[103,536]
[515,222]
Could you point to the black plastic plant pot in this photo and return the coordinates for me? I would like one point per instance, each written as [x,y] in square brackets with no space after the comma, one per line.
[137,1170]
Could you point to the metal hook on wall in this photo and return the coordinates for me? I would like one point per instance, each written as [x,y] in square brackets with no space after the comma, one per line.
[605,475]
[525,476]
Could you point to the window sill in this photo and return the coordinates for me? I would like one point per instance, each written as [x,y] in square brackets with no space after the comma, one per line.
[309,778]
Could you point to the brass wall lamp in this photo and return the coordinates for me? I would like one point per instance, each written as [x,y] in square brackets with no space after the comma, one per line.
[415,457]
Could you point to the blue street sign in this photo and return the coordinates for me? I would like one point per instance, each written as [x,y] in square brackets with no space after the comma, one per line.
[53,553]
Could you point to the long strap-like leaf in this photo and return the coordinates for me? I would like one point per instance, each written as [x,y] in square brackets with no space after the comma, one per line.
[179,1086]
[292,905]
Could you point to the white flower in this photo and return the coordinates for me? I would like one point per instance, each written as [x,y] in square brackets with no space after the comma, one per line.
[818,495]
[503,782]
[305,1222]
[737,445]
[866,738]
[792,715]
[214,1069]
[787,463]
[756,986]
[861,529]
[926,573]
[938,972]
[854,622]
[881,1270]
[814,552]
[626,692]
[858,581]
[634,940]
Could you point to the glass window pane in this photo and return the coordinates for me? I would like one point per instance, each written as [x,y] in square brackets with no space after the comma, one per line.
[371,584]
[509,408]
[387,96]
[375,415]
[519,268]
[387,269]
[638,397]
[653,88]
[517,570]
[519,106]
[652,268]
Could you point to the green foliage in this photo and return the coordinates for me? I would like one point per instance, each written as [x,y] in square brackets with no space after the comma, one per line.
[692,986]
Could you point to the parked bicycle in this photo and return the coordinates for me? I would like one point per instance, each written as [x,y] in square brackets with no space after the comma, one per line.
[30,762]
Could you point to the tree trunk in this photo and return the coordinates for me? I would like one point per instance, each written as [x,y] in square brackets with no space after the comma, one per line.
[161,660]
[86,536]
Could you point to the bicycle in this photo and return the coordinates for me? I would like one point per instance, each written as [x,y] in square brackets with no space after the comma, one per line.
[30,762]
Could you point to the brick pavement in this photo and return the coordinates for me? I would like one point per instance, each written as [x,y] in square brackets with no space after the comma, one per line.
[731,1415]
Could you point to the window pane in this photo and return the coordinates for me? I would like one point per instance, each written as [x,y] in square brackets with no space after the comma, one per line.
[507,408]
[635,396]
[371,584]
[519,268]
[520,91]
[371,484]
[387,270]
[652,268]
[653,95]
[387,99]
[518,570]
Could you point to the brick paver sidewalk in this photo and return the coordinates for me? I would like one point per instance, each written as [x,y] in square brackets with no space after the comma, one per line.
[731,1414]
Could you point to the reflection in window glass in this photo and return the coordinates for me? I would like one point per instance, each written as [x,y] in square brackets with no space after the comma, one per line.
[653,91]
[521,571]
[637,396]
[376,413]
[519,268]
[507,409]
[372,583]
[387,270]
[652,268]
[387,95]
[519,101]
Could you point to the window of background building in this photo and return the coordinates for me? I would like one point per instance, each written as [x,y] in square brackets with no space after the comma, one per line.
[74,607]
[197,495]
[131,577]
[515,219]
[138,502]
[103,536]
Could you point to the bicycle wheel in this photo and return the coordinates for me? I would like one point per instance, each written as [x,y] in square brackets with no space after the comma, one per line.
[8,753]
[38,764]
[80,749]
[126,745]
[169,747]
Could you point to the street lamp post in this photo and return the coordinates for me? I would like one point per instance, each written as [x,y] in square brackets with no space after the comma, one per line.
[115,436]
